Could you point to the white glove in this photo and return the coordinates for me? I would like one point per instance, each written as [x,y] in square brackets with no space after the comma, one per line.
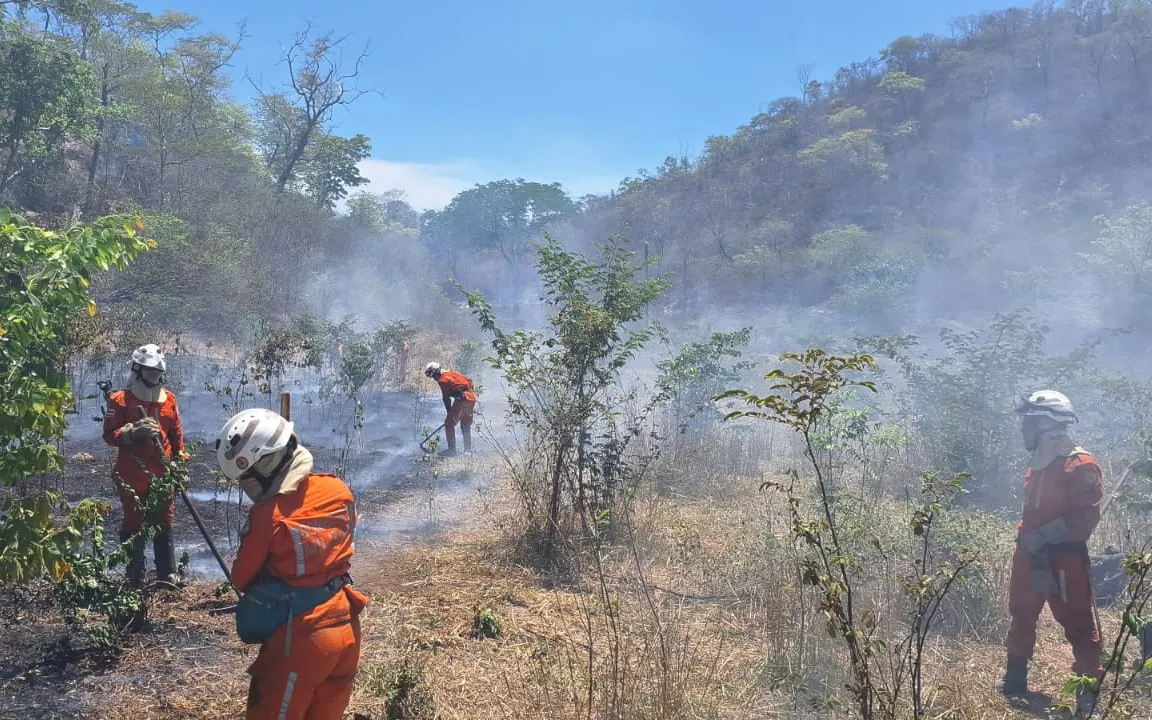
[1050,533]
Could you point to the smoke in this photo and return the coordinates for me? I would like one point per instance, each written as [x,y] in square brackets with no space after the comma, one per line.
[859,209]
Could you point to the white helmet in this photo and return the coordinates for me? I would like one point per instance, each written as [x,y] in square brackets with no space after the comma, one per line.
[149,356]
[1048,404]
[432,369]
[249,436]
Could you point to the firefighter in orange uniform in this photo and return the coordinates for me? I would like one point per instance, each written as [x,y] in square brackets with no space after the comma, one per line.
[296,550]
[1062,495]
[459,404]
[136,417]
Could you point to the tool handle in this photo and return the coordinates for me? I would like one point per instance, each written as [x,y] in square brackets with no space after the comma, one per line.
[208,539]
[429,437]
[195,515]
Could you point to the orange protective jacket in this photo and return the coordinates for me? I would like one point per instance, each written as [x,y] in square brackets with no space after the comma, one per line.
[454,384]
[123,408]
[1072,490]
[303,538]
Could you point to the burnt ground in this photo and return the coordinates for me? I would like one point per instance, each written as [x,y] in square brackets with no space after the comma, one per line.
[49,670]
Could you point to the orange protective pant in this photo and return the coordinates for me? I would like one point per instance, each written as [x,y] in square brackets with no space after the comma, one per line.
[462,413]
[133,516]
[1072,608]
[307,676]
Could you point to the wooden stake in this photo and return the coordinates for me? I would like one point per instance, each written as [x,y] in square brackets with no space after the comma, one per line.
[286,405]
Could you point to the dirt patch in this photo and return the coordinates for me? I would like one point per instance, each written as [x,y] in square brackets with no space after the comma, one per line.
[52,673]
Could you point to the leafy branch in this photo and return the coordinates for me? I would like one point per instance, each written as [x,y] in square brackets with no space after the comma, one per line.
[879,670]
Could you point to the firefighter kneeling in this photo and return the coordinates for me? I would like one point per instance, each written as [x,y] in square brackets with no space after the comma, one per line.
[292,567]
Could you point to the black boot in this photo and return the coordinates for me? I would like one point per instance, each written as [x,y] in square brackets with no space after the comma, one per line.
[1144,678]
[165,559]
[134,571]
[1015,677]
[1085,702]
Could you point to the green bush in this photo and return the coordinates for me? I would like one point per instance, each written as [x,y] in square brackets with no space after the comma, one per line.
[960,400]
[574,469]
[47,276]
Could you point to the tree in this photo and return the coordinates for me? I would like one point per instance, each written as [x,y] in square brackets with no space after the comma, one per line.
[397,210]
[572,471]
[108,43]
[180,109]
[46,278]
[855,151]
[74,10]
[901,85]
[318,84]
[48,95]
[959,400]
[1122,254]
[330,167]
[375,211]
[698,372]
[504,216]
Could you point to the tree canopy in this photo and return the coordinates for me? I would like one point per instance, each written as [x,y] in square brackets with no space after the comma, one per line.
[940,177]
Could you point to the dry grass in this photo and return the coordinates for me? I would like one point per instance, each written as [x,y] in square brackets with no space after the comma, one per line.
[428,600]
[424,602]
[705,620]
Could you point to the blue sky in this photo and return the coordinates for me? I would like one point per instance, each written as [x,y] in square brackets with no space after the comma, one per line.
[580,93]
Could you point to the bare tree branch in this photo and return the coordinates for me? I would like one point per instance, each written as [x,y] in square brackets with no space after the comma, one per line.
[319,83]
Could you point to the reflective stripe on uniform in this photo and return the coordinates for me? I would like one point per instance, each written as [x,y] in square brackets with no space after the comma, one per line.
[299,545]
[287,701]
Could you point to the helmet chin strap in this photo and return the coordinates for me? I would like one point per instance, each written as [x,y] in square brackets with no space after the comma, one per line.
[266,480]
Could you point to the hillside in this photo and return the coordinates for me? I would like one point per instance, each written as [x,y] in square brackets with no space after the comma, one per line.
[945,226]
[947,175]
